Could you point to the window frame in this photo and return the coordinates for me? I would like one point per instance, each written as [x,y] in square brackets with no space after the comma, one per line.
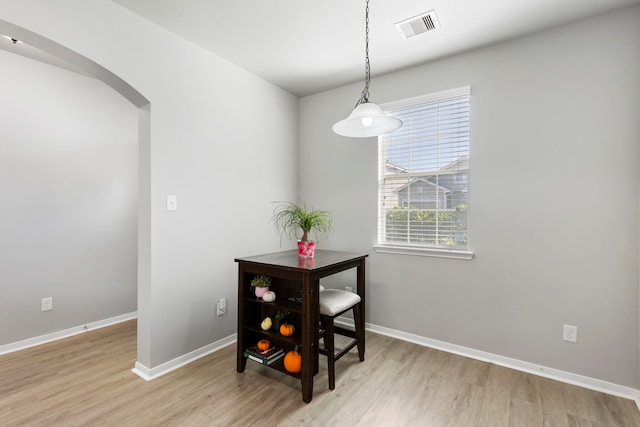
[416,249]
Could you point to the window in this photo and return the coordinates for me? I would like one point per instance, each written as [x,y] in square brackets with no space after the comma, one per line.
[423,178]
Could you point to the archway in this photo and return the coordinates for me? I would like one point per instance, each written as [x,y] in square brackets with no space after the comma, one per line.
[143,105]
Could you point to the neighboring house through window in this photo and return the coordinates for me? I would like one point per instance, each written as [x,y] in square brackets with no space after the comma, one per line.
[423,185]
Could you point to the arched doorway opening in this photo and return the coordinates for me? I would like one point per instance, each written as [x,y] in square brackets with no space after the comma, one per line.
[142,104]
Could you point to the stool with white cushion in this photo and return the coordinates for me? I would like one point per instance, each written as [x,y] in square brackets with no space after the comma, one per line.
[333,303]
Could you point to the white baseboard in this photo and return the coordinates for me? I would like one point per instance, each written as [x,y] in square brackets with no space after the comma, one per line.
[507,362]
[152,373]
[53,336]
[519,365]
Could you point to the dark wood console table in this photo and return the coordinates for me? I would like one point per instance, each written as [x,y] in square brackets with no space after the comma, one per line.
[296,282]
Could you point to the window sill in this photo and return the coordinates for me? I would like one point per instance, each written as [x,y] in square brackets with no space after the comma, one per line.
[430,252]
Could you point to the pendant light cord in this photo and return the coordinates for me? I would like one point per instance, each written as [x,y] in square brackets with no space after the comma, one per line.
[367,119]
[364,98]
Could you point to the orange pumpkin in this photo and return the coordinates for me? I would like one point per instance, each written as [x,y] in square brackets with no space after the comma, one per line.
[293,361]
[263,345]
[287,329]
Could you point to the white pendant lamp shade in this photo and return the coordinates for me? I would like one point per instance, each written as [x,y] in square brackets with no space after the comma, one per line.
[367,120]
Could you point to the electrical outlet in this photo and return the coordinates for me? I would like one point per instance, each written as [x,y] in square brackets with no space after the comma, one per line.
[46,304]
[570,333]
[348,288]
[221,307]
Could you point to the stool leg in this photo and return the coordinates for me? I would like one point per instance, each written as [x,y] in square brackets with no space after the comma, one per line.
[323,324]
[331,363]
[357,320]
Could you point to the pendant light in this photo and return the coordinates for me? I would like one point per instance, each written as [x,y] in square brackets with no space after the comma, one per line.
[367,119]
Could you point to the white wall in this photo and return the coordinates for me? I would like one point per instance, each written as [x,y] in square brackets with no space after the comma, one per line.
[221,139]
[68,217]
[554,203]
[554,145]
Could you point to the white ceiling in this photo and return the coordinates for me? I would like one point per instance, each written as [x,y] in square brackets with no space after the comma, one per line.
[307,47]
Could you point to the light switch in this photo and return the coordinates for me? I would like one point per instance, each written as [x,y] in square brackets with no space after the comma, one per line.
[172,202]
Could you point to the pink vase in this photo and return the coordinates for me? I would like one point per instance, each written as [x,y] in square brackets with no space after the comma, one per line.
[306,249]
[261,291]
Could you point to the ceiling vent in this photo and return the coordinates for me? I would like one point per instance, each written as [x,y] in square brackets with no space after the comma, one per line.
[422,23]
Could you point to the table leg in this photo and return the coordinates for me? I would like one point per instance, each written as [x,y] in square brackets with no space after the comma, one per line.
[361,292]
[309,335]
[241,362]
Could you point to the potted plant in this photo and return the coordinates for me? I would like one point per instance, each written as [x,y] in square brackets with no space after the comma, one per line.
[290,218]
[261,285]
[281,317]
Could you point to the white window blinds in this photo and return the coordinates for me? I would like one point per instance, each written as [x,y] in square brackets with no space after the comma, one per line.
[423,183]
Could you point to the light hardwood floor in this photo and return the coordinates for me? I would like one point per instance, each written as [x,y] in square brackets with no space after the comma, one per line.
[86,380]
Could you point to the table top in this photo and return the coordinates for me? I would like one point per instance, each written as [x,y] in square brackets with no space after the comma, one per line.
[289,259]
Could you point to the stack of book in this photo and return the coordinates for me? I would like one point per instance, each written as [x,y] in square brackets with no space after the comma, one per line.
[266,357]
